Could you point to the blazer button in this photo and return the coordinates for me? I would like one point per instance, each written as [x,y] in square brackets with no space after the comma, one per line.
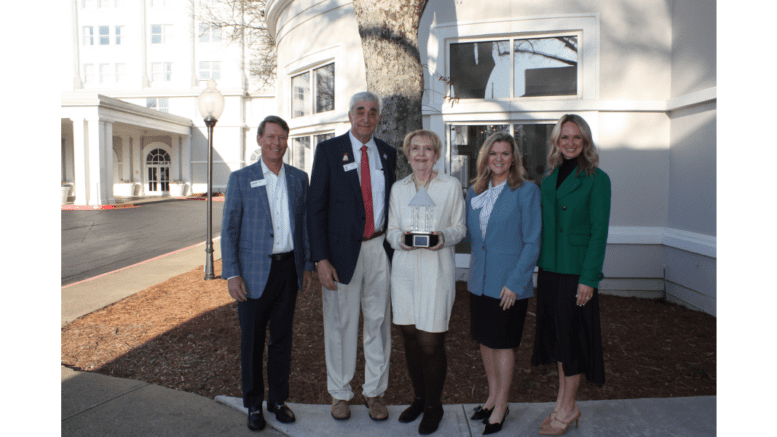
[564,208]
[484,247]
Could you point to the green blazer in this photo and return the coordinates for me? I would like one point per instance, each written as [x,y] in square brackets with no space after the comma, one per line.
[575,222]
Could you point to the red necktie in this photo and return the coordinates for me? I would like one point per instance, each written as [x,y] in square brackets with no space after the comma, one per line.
[369,225]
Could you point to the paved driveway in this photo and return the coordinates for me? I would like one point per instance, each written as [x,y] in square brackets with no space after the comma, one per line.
[100,241]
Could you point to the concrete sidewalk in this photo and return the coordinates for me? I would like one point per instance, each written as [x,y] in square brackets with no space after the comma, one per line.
[99,405]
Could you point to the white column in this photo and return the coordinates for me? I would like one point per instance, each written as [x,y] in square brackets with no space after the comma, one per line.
[95,140]
[137,152]
[175,160]
[80,161]
[186,159]
[126,157]
[107,176]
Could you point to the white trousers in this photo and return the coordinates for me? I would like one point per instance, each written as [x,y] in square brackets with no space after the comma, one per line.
[368,291]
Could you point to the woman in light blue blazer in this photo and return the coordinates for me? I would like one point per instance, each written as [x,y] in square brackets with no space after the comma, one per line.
[504,221]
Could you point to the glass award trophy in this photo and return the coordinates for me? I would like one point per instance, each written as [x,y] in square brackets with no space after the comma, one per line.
[422,211]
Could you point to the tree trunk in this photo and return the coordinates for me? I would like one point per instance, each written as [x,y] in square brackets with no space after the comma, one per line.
[389,34]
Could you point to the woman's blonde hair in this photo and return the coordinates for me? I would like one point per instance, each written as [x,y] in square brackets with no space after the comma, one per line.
[516,175]
[436,143]
[588,159]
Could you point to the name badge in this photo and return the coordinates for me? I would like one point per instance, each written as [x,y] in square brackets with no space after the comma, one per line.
[351,166]
[258,183]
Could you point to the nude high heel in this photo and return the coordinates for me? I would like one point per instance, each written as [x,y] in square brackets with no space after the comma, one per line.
[556,430]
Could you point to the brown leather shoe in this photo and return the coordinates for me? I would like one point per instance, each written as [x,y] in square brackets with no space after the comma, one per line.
[378,410]
[340,410]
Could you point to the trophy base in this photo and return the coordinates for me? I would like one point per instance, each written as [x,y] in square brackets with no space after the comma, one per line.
[421,239]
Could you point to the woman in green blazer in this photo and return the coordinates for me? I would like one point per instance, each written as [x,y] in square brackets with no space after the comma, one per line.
[575,197]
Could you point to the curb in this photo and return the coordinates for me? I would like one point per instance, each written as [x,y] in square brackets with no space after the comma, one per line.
[135,204]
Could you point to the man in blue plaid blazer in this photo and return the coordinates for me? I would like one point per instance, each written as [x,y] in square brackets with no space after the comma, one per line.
[264,251]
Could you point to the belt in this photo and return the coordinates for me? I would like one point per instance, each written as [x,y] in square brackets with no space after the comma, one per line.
[375,235]
[282,256]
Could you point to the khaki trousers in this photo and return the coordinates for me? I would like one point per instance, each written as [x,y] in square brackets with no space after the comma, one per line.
[368,291]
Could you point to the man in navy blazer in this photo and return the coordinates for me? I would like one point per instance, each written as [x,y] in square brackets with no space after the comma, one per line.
[264,251]
[351,256]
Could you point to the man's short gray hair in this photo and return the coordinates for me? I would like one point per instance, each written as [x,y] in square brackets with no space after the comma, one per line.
[364,96]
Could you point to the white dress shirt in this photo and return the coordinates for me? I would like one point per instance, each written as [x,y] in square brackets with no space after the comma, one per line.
[278,198]
[376,178]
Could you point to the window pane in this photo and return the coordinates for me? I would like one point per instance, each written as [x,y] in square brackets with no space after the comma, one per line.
[204,34]
[301,146]
[118,35]
[151,103]
[300,86]
[216,71]
[533,143]
[480,70]
[545,66]
[325,88]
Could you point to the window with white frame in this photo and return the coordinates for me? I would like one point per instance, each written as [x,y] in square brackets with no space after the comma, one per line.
[88,73]
[105,35]
[121,73]
[161,104]
[515,67]
[158,3]
[119,33]
[161,33]
[303,149]
[465,141]
[313,91]
[210,69]
[105,73]
[208,34]
[161,71]
[88,35]
[88,4]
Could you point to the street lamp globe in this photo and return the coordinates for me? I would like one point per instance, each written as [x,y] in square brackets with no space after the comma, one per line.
[211,102]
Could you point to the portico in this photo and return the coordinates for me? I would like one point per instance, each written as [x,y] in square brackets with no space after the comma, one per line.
[106,141]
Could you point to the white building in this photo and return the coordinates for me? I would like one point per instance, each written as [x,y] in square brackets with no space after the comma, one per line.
[129,100]
[643,74]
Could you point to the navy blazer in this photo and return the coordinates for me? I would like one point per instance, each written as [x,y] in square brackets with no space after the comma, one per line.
[509,252]
[247,232]
[336,214]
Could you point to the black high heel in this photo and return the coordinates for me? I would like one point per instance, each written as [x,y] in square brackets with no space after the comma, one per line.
[481,413]
[495,427]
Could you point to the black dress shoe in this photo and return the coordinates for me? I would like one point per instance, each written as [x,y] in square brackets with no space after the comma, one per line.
[256,420]
[282,412]
[494,427]
[431,420]
[412,412]
[481,413]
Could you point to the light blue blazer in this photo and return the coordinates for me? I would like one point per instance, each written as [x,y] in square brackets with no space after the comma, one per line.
[247,232]
[508,254]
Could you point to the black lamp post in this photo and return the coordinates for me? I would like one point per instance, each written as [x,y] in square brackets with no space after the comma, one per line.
[211,105]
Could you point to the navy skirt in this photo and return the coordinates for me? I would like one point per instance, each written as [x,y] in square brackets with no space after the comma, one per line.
[567,333]
[494,327]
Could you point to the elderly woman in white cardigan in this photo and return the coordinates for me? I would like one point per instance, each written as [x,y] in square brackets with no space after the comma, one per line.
[423,282]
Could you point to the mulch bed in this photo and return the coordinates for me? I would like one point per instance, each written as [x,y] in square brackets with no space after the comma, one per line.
[184,334]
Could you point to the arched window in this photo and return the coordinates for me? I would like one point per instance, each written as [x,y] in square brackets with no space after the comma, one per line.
[255,156]
[158,168]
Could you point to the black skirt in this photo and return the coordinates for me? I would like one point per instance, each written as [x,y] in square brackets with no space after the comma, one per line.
[567,333]
[494,327]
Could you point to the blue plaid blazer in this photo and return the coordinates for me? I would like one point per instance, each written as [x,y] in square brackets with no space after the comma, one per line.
[246,231]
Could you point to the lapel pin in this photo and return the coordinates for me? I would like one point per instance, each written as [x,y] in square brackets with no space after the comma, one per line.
[345,157]
[385,156]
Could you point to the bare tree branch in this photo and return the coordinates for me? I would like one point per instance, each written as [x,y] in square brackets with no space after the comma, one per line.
[241,22]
